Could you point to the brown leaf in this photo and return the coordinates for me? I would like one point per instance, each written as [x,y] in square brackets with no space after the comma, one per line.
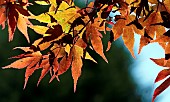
[12,22]
[128,38]
[143,42]
[10,11]
[56,31]
[118,28]
[76,64]
[161,88]
[21,63]
[21,10]
[64,64]
[160,62]
[28,60]
[30,69]
[2,16]
[28,73]
[44,71]
[81,43]
[161,39]
[97,43]
[167,49]
[166,3]
[55,69]
[162,74]
[152,29]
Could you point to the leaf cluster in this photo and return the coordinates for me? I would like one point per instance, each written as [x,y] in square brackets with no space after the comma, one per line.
[69,31]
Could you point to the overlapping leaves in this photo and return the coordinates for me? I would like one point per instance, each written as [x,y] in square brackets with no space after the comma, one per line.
[70,31]
[14,13]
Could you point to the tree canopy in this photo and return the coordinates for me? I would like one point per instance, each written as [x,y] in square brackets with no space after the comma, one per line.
[67,32]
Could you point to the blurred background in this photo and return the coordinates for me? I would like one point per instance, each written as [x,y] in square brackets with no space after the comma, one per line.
[123,79]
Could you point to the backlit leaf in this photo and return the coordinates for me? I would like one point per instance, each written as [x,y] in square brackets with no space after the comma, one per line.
[96,41]
[162,74]
[128,38]
[160,62]
[76,64]
[22,26]
[161,88]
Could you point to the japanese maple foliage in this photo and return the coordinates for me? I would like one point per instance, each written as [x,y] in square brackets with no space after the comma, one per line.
[71,30]
[14,13]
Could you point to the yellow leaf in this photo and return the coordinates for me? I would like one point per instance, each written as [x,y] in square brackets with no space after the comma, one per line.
[87,56]
[39,29]
[53,2]
[65,16]
[67,49]
[41,2]
[45,18]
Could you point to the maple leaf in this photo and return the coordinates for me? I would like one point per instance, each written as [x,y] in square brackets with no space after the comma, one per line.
[127,31]
[28,60]
[161,88]
[39,29]
[166,3]
[144,40]
[22,25]
[66,15]
[63,65]
[92,33]
[151,29]
[42,2]
[162,74]
[76,64]
[160,62]
[12,11]
[2,17]
[53,34]
[70,30]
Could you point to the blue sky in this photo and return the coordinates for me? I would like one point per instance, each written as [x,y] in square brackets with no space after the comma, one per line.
[145,71]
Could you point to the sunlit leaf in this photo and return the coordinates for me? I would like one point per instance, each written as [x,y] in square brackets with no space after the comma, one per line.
[161,88]
[76,64]
[162,74]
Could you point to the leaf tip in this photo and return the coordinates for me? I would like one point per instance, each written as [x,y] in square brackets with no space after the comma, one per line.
[75,87]
[52,78]
[25,84]
[38,83]
[5,67]
[153,98]
[104,57]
